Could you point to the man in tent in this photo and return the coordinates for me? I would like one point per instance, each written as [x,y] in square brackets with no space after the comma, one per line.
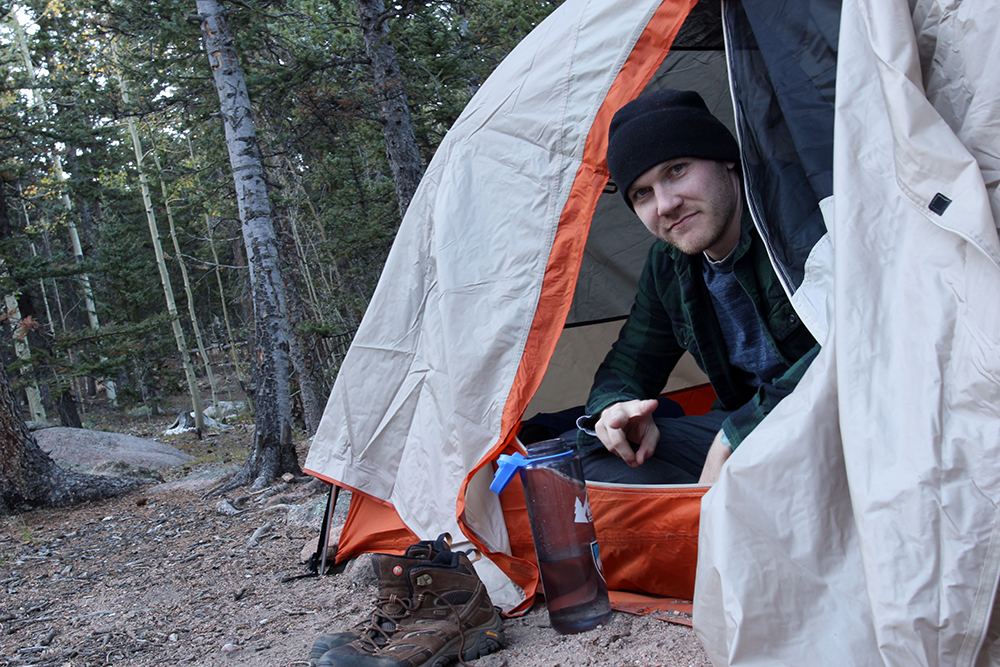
[708,288]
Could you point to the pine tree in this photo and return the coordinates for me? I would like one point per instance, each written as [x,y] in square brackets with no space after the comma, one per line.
[30,478]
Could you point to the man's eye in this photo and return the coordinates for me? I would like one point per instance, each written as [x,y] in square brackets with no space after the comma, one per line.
[640,193]
[677,168]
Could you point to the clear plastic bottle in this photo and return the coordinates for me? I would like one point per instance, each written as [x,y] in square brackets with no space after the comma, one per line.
[562,527]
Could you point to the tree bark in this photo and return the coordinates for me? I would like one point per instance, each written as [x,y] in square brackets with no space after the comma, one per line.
[274,453]
[397,125]
[188,293]
[41,340]
[161,264]
[308,370]
[30,478]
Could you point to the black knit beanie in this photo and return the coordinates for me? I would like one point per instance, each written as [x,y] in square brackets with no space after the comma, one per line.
[661,126]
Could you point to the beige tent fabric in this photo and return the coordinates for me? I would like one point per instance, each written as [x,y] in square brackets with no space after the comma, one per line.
[858,524]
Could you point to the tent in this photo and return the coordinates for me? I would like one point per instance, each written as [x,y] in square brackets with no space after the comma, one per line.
[856,525]
[499,298]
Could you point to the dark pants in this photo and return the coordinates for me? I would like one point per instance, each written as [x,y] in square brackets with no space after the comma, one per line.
[678,459]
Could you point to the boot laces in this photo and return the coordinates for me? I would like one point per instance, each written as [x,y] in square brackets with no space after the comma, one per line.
[383,622]
[375,637]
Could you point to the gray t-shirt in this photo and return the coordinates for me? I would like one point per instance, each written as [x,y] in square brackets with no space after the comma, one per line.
[742,329]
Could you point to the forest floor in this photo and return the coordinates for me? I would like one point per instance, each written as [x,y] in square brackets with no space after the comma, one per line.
[170,575]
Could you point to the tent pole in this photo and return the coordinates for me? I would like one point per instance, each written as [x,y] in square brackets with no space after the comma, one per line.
[324,533]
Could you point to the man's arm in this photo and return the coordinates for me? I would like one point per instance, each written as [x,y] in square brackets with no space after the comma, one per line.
[718,454]
[640,361]
[744,419]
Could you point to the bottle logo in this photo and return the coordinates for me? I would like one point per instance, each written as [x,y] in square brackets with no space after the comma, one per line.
[581,511]
[595,551]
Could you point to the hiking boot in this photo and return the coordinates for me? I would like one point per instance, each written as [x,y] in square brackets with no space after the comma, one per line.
[444,614]
[386,606]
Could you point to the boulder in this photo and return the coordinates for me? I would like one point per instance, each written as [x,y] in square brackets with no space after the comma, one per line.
[89,451]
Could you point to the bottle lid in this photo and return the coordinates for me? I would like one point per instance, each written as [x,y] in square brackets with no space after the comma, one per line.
[509,465]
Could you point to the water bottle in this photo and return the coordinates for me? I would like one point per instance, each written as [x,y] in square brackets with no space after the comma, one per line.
[562,528]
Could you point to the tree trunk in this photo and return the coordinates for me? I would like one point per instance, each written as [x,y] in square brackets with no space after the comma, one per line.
[84,278]
[38,337]
[225,311]
[161,264]
[274,453]
[397,126]
[21,327]
[308,370]
[30,478]
[192,315]
[42,340]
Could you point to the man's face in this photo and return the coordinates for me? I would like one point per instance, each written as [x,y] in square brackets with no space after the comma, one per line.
[692,204]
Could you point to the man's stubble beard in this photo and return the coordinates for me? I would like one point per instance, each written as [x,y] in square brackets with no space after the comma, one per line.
[714,222]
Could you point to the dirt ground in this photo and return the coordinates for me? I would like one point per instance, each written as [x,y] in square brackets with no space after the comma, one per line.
[166,575]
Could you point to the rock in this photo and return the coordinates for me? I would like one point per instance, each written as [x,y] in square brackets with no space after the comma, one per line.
[223,410]
[226,508]
[360,571]
[257,534]
[309,514]
[288,478]
[123,469]
[84,449]
[333,538]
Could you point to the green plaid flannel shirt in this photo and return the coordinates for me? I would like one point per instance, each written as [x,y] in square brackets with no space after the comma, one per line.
[673,313]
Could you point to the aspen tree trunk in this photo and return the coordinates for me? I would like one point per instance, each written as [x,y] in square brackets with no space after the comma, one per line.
[222,291]
[222,300]
[168,291]
[63,398]
[318,226]
[274,452]
[24,354]
[38,100]
[20,327]
[49,324]
[187,289]
[287,179]
[43,340]
[397,125]
[69,415]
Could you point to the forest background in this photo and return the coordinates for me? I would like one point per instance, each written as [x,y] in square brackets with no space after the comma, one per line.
[130,256]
